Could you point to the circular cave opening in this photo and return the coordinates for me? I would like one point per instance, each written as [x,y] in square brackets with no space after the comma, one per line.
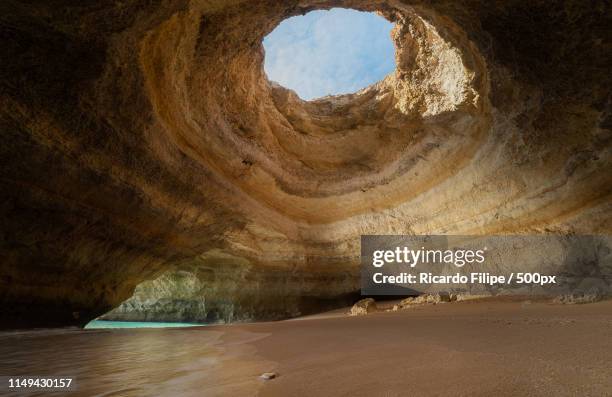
[329,52]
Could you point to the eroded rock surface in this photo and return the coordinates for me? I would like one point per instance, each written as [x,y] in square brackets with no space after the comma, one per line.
[140,137]
[363,307]
[227,289]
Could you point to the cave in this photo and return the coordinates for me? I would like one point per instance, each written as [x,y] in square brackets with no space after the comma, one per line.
[142,139]
[151,171]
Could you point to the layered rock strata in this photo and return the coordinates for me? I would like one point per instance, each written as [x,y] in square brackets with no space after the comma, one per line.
[142,137]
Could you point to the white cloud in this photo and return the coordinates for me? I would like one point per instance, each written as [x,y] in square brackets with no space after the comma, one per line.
[329,52]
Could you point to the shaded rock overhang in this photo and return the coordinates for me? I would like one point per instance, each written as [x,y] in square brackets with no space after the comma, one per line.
[140,136]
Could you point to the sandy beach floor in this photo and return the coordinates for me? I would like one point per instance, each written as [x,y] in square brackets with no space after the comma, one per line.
[478,348]
[474,348]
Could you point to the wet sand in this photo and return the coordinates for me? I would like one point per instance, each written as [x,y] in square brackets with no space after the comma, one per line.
[174,362]
[479,348]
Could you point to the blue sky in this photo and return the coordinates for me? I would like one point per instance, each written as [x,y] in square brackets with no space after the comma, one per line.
[329,52]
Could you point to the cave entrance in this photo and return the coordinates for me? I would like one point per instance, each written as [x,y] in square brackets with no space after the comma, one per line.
[329,52]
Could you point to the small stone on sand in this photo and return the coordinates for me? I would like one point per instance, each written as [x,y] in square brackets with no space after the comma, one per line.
[268,375]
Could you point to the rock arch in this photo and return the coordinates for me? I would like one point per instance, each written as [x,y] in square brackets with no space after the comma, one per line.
[145,137]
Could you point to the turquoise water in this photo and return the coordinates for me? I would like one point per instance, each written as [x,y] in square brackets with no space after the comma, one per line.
[96,324]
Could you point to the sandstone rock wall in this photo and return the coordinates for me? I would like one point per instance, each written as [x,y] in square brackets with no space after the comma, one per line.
[221,288]
[143,136]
